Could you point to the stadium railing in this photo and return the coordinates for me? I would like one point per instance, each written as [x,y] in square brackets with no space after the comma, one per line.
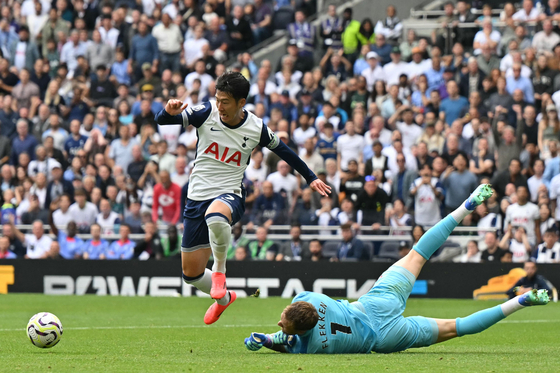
[460,235]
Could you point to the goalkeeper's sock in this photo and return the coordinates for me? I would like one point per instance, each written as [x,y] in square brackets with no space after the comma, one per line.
[202,282]
[479,321]
[435,237]
[484,319]
[220,238]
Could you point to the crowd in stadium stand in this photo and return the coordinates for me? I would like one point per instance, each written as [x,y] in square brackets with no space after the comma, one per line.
[401,127]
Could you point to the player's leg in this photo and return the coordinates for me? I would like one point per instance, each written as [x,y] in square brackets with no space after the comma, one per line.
[218,219]
[195,272]
[432,240]
[482,320]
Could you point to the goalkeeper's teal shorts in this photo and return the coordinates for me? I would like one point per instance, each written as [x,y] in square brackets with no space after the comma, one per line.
[385,303]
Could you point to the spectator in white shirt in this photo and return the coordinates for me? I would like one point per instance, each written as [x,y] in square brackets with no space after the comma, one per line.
[62,216]
[193,47]
[285,183]
[394,69]
[83,212]
[257,170]
[109,34]
[549,250]
[536,182]
[472,255]
[38,244]
[528,13]
[349,146]
[410,131]
[180,177]
[374,72]
[199,73]
[304,131]
[169,39]
[544,41]
[311,156]
[486,36]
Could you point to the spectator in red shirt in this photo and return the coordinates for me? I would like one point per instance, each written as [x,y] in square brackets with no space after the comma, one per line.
[167,195]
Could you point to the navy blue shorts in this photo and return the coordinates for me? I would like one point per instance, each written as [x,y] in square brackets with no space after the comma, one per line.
[195,231]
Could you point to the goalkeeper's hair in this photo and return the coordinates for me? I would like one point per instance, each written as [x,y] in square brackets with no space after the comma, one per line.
[303,315]
[234,84]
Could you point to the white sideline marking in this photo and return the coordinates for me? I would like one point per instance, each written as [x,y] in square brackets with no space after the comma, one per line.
[151,327]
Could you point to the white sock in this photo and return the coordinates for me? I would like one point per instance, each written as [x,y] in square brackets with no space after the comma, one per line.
[511,306]
[460,213]
[225,300]
[220,239]
[203,283]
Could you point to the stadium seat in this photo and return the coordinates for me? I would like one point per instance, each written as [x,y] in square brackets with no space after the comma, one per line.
[447,252]
[389,250]
[368,247]
[282,18]
[330,249]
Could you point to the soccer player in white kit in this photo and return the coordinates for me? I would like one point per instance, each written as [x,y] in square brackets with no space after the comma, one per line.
[227,135]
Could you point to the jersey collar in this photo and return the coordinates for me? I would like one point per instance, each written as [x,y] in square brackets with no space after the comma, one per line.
[240,123]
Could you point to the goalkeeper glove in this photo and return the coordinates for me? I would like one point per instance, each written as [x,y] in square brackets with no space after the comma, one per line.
[256,341]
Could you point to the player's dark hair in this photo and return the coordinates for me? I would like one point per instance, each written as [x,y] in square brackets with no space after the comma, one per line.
[302,315]
[551,231]
[233,84]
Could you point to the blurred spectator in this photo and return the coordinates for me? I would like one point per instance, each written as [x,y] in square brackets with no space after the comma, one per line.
[372,202]
[350,247]
[61,215]
[5,252]
[493,252]
[120,150]
[38,243]
[402,181]
[169,38]
[167,195]
[524,214]
[373,72]
[34,212]
[382,49]
[285,183]
[458,182]
[143,50]
[57,186]
[23,143]
[398,217]
[391,26]
[352,184]
[96,247]
[171,245]
[294,249]
[240,254]
[515,240]
[349,146]
[239,29]
[304,33]
[332,28]
[150,247]
[316,251]
[531,281]
[107,219]
[472,255]
[428,194]
[123,248]
[268,208]
[83,213]
[262,248]
[549,250]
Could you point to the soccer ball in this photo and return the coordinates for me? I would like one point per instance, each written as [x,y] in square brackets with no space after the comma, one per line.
[44,330]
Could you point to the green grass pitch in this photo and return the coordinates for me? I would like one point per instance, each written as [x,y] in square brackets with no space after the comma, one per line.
[146,334]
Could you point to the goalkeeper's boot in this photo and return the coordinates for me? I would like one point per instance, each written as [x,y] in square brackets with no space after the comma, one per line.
[534,298]
[216,310]
[219,288]
[480,194]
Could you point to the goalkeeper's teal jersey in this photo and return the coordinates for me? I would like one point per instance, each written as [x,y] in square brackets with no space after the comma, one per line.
[341,329]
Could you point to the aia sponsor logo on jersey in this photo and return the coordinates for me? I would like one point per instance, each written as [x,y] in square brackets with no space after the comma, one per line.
[224,155]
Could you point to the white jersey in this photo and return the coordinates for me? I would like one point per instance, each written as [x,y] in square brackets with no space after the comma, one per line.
[545,255]
[523,216]
[223,152]
[519,252]
[427,205]
[110,224]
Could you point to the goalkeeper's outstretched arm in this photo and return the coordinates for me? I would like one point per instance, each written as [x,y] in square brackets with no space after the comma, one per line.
[276,342]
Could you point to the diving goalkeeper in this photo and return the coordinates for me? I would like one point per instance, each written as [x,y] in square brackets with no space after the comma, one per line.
[315,323]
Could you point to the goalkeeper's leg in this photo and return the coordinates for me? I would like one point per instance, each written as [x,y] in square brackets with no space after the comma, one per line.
[438,234]
[482,320]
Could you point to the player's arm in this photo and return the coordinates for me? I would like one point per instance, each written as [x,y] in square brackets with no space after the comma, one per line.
[272,142]
[276,342]
[176,112]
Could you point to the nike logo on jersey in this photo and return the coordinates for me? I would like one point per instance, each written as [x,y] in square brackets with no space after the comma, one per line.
[214,129]
[230,198]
